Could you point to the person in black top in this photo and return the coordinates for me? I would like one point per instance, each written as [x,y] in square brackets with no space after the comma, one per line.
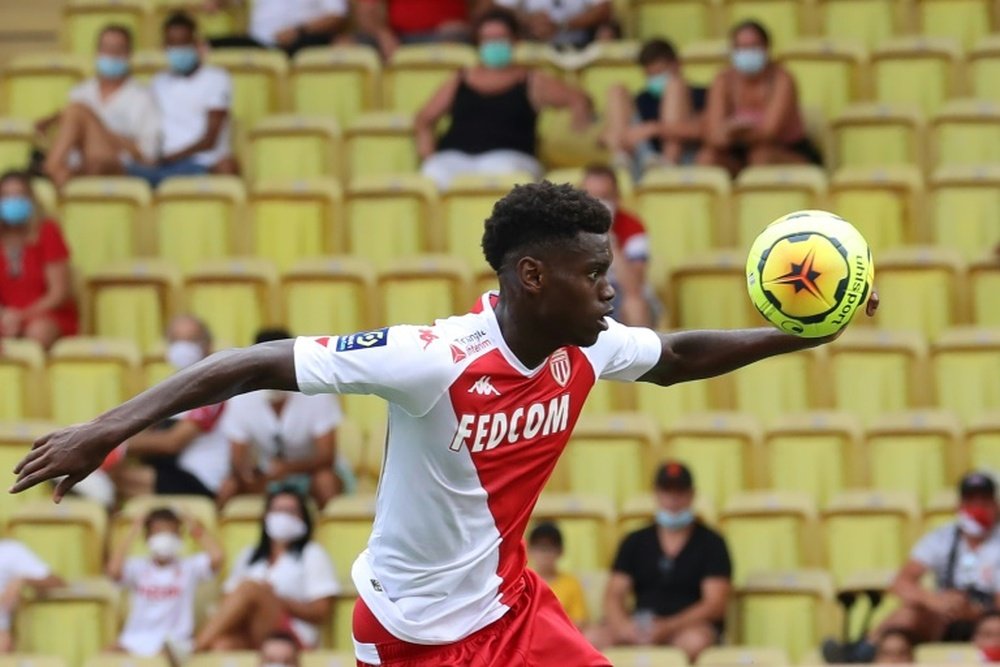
[678,571]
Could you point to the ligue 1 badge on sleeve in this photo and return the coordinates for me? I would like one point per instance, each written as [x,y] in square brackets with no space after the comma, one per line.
[364,340]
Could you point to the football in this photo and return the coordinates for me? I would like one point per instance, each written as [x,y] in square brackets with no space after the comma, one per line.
[808,273]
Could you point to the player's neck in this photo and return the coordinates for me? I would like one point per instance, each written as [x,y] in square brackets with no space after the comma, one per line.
[525,337]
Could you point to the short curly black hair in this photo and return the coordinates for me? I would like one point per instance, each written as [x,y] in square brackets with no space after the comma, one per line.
[533,216]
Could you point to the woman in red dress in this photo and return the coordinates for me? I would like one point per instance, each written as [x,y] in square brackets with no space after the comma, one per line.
[36,296]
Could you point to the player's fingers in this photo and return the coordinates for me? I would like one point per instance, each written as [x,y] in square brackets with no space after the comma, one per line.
[66,485]
[872,304]
[26,479]
[37,449]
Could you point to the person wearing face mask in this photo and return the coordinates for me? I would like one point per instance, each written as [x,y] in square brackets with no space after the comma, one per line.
[285,582]
[112,120]
[753,115]
[678,571]
[493,109]
[280,649]
[986,637]
[194,101]
[162,585]
[36,292]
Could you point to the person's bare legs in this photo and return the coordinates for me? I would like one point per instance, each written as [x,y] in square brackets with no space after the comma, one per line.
[324,486]
[43,330]
[923,624]
[715,157]
[694,639]
[773,154]
[81,129]
[246,616]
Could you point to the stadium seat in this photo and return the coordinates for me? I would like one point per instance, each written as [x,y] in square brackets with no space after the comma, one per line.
[878,135]
[587,525]
[125,660]
[16,138]
[344,528]
[922,71]
[875,372]
[388,217]
[921,290]
[84,613]
[416,71]
[646,656]
[884,203]
[37,85]
[103,220]
[31,660]
[768,531]
[860,585]
[147,64]
[225,659]
[666,406]
[947,654]
[966,132]
[353,448]
[381,144]
[966,21]
[868,22]
[785,19]
[763,194]
[708,291]
[626,186]
[777,386]
[68,537]
[983,66]
[541,56]
[721,450]
[982,442]
[197,218]
[884,521]
[793,610]
[198,507]
[90,375]
[984,292]
[703,60]
[292,147]
[610,64]
[816,453]
[16,438]
[732,656]
[333,295]
[45,193]
[594,584]
[258,76]
[421,289]
[919,452]
[339,83]
[83,21]
[686,212]
[966,365]
[965,210]
[22,375]
[638,511]
[828,74]
[240,526]
[941,509]
[235,297]
[680,21]
[230,19]
[328,658]
[132,300]
[155,367]
[293,220]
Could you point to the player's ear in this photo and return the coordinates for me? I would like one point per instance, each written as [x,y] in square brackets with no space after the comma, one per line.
[529,274]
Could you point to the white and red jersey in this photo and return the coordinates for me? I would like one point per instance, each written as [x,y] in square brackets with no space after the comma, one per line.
[473,436]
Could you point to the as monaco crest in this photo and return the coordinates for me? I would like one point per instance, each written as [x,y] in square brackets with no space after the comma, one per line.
[559,365]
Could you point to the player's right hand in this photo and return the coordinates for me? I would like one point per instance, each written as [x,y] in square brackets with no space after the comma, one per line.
[72,453]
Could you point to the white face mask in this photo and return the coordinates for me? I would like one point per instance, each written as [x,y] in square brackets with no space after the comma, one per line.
[284,527]
[164,546]
[184,353]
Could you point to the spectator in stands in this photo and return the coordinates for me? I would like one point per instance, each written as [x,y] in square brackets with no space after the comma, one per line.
[20,570]
[986,636]
[545,548]
[493,109]
[678,571]
[189,340]
[663,123]
[111,120]
[609,31]
[285,581]
[388,23]
[36,289]
[280,649]
[753,115]
[289,25]
[894,648]
[163,584]
[635,301]
[561,23]
[193,99]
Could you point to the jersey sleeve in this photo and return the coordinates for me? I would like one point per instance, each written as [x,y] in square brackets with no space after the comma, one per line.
[624,353]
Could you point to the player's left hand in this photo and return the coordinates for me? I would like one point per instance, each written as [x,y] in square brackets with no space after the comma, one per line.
[72,453]
[872,304]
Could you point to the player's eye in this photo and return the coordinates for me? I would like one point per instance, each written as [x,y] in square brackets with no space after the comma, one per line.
[593,276]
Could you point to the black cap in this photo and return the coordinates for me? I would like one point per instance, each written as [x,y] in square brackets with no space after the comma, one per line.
[674,476]
[977,484]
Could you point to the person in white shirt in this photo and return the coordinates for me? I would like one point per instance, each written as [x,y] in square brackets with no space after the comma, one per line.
[280,649]
[194,101]
[286,581]
[20,569]
[111,120]
[289,25]
[561,22]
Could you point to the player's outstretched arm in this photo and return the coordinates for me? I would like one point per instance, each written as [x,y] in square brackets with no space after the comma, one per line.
[78,450]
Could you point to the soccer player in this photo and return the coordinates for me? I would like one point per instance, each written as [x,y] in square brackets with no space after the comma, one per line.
[480,408]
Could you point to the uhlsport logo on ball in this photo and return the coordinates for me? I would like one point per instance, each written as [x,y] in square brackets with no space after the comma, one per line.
[808,273]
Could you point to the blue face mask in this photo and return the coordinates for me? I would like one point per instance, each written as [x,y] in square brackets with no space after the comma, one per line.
[496,53]
[16,210]
[749,61]
[657,83]
[182,59]
[110,67]
[674,520]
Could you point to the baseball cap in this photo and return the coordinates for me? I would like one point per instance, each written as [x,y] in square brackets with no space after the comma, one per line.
[977,484]
[674,476]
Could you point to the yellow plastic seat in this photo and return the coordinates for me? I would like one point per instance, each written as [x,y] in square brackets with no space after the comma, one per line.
[690,209]
[966,132]
[344,528]
[332,295]
[983,66]
[240,526]
[22,375]
[666,406]
[703,60]
[885,204]
[793,610]
[88,376]
[146,64]
[199,507]
[124,660]
[878,135]
[612,63]
[234,297]
[638,512]
[921,290]
[940,509]
[68,537]
[828,73]
[419,290]
[709,292]
[731,656]
[947,654]
[416,71]
[133,300]
[660,656]
[777,386]
[869,22]
[464,208]
[228,20]
[984,292]
[768,531]
[293,220]
[966,365]
[966,21]
[85,614]
[16,438]
[225,659]
[292,147]
[381,144]
[37,85]
[574,176]
[884,521]
[258,77]
[813,453]
[83,21]
[785,19]
[338,633]
[339,83]
[388,217]
[763,194]
[328,658]
[16,137]
[965,209]
[103,220]
[587,525]
[860,585]
[31,660]
[891,365]
[353,447]
[197,218]
[45,194]
[721,450]
[155,368]
[680,21]
[919,452]
[982,442]
[922,71]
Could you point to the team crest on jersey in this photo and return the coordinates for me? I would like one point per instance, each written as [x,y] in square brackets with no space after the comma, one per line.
[560,367]
[363,340]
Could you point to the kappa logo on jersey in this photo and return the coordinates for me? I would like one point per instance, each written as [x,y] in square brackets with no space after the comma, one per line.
[428,336]
[481,432]
[484,387]
[363,340]
[457,353]
[560,367]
